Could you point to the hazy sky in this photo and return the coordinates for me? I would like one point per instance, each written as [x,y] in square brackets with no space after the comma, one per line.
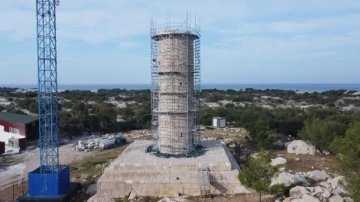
[253,41]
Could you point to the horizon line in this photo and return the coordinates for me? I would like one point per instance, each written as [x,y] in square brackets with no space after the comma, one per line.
[7,84]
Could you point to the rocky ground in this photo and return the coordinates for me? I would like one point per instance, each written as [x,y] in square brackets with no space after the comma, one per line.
[313,181]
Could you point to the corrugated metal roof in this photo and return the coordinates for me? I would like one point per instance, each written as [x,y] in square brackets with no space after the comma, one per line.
[17,118]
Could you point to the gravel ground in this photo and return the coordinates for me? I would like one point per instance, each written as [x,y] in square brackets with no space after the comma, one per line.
[27,161]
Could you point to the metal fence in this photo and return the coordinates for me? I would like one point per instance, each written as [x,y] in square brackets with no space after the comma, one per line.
[12,191]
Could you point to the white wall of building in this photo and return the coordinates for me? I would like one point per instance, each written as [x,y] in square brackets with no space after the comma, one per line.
[214,123]
[222,123]
[5,136]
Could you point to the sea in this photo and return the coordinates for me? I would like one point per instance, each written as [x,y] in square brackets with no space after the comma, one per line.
[281,86]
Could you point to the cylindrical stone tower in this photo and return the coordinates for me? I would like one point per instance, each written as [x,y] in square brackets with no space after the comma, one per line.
[176,107]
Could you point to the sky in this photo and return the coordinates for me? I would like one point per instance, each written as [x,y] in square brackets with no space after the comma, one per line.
[242,41]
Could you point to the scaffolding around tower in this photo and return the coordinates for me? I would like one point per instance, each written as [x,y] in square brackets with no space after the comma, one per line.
[175,80]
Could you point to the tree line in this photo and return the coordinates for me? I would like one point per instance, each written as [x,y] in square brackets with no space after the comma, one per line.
[327,128]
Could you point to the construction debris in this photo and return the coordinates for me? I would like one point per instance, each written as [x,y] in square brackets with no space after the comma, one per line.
[95,142]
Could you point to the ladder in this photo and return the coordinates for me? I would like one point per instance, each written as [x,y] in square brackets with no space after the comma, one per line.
[204,182]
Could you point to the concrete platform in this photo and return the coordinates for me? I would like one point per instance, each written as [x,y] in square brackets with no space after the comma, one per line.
[150,175]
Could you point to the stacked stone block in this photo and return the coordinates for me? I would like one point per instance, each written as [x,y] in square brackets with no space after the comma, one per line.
[176,92]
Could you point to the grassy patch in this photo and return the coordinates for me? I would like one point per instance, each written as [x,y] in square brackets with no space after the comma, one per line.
[308,162]
[9,161]
[93,166]
[121,200]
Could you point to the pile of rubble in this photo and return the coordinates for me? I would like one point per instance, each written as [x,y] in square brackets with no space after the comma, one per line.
[137,134]
[330,190]
[92,142]
[324,188]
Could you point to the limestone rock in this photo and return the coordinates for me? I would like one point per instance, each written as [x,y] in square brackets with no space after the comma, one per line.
[300,147]
[278,161]
[326,185]
[317,175]
[91,190]
[310,189]
[309,198]
[317,190]
[339,191]
[326,194]
[298,191]
[326,152]
[289,179]
[348,199]
[335,181]
[306,198]
[132,195]
[336,198]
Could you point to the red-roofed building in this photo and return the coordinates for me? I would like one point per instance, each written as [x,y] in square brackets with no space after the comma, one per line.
[15,129]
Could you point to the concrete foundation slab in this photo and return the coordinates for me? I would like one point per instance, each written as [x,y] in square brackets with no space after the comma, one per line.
[149,175]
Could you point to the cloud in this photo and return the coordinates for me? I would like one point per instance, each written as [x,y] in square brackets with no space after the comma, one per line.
[96,21]
[248,34]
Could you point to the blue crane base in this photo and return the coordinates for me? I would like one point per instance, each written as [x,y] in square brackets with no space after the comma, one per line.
[50,186]
[66,197]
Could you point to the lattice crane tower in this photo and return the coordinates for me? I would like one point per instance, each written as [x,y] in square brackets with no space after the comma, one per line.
[51,179]
[47,85]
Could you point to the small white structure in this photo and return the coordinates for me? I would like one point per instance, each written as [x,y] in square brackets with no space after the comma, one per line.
[218,122]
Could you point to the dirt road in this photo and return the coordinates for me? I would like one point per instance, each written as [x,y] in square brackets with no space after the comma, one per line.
[27,161]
